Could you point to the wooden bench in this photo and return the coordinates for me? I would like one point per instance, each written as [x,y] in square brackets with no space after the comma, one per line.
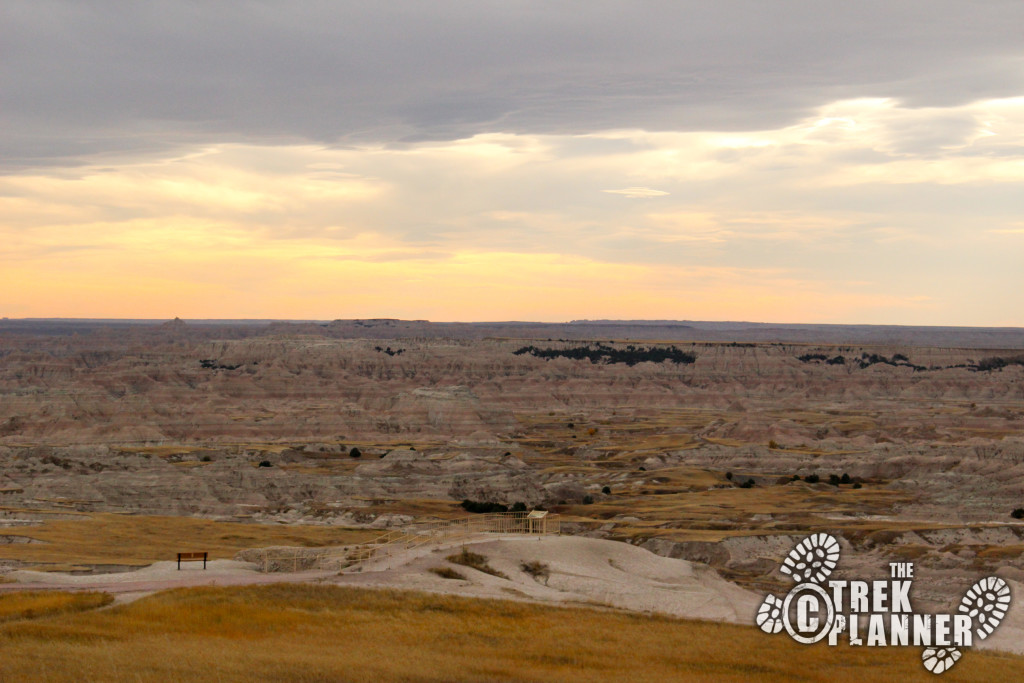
[191,557]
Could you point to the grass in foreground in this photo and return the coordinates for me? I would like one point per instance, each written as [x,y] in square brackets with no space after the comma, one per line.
[105,538]
[289,632]
[32,605]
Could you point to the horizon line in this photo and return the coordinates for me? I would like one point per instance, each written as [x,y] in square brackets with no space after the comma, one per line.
[584,321]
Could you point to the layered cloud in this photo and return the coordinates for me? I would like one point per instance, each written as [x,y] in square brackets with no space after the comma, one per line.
[111,76]
[817,162]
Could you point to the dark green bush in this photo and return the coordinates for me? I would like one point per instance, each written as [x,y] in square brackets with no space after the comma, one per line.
[482,507]
[601,353]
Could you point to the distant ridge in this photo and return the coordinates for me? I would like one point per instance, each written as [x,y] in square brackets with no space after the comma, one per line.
[737,324]
[669,331]
[637,323]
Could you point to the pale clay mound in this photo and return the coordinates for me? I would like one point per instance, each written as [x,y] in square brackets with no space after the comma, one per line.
[582,571]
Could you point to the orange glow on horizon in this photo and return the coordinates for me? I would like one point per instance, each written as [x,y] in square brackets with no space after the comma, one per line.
[814,222]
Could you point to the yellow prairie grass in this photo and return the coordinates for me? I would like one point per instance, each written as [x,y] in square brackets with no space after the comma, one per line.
[105,538]
[299,633]
[30,605]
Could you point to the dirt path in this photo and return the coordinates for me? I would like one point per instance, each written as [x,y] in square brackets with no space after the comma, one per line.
[128,586]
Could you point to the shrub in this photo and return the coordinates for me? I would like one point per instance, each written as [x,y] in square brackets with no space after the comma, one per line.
[588,500]
[206,458]
[265,463]
[748,484]
[834,479]
[537,569]
[518,507]
[812,478]
[728,475]
[597,352]
[475,561]
[845,479]
[1018,513]
[355,453]
[447,573]
[773,444]
[998,363]
[796,477]
[607,490]
[857,485]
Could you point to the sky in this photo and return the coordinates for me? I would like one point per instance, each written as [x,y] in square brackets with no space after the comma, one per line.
[800,161]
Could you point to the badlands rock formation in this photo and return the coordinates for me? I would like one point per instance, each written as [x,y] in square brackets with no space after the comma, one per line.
[259,422]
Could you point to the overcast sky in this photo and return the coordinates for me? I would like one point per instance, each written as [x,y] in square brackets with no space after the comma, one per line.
[781,161]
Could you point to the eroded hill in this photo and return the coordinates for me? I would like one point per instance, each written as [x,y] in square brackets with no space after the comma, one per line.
[917,451]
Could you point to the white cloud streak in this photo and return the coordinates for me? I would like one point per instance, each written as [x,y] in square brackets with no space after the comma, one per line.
[638,192]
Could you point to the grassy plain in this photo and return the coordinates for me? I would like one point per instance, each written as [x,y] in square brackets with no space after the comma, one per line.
[35,604]
[305,633]
[104,538]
